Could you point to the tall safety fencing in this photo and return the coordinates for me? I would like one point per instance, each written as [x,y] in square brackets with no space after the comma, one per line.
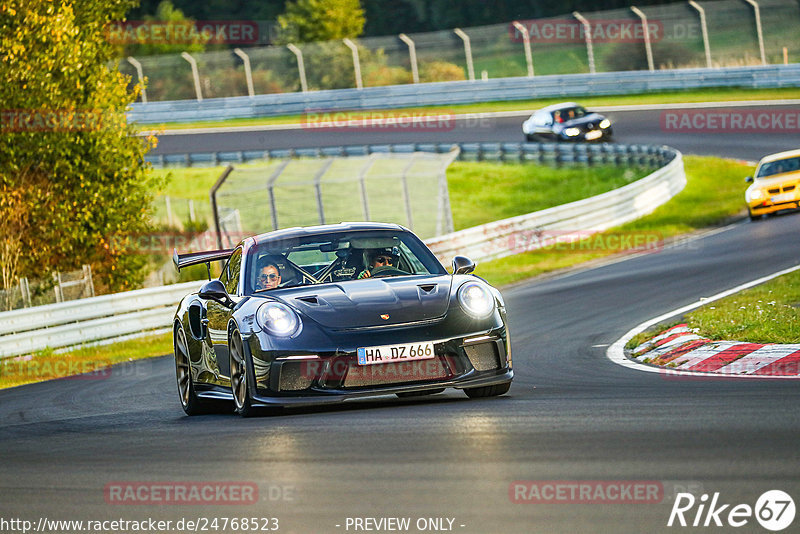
[145,310]
[465,92]
[727,33]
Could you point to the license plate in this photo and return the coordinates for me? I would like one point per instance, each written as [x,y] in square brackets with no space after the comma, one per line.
[395,353]
[594,134]
[785,197]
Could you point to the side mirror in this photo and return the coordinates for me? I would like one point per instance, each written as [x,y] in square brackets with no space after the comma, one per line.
[463,265]
[214,290]
[749,179]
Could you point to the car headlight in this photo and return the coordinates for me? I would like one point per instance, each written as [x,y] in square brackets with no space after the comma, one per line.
[572,132]
[605,123]
[476,299]
[756,194]
[278,319]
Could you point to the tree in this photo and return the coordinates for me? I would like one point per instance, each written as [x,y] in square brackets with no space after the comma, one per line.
[306,21]
[176,33]
[72,176]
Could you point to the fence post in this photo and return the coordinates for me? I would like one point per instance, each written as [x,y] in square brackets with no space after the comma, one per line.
[88,283]
[25,290]
[704,30]
[318,187]
[57,287]
[467,52]
[526,41]
[587,32]
[140,75]
[648,48]
[759,34]
[247,72]
[362,180]
[406,196]
[412,56]
[195,75]
[271,191]
[301,66]
[213,195]
[356,63]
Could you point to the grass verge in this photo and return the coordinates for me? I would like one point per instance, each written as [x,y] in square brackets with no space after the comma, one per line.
[714,194]
[705,95]
[94,361]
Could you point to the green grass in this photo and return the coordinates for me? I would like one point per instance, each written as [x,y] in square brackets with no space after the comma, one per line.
[768,313]
[713,195]
[705,95]
[48,365]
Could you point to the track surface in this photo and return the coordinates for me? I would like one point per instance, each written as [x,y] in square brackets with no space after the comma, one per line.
[571,415]
[629,127]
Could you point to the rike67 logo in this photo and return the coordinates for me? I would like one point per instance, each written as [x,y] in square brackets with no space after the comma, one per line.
[774,510]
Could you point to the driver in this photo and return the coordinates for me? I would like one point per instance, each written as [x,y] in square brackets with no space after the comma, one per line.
[379,258]
[268,276]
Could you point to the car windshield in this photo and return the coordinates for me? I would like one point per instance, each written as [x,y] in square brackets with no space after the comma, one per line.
[779,167]
[337,257]
[568,114]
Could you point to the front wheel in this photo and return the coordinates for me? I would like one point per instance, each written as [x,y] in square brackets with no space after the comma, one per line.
[487,391]
[753,218]
[241,393]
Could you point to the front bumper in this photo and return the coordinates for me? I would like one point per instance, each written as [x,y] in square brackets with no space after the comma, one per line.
[475,360]
[771,205]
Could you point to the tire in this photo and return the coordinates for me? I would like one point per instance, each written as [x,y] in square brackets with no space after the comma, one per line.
[419,393]
[487,391]
[753,218]
[530,138]
[239,377]
[190,402]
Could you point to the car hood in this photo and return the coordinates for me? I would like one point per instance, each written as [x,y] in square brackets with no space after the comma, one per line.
[583,122]
[371,301]
[776,179]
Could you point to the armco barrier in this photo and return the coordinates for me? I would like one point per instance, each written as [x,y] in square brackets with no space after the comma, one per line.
[465,92]
[124,314]
[93,319]
[569,221]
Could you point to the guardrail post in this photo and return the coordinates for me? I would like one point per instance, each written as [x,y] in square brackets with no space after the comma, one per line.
[247,73]
[526,42]
[647,45]
[356,63]
[140,75]
[759,34]
[587,33]
[412,56]
[301,66]
[703,30]
[195,74]
[467,52]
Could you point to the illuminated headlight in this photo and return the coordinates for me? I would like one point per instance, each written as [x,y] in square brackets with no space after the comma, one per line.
[572,132]
[755,194]
[278,319]
[605,123]
[476,299]
[525,128]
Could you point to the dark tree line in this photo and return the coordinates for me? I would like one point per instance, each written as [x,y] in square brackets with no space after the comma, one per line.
[386,17]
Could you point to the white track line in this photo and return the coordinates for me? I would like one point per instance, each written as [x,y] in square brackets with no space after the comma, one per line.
[616,352]
[467,116]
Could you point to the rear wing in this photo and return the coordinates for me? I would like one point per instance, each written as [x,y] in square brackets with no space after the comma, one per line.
[196,258]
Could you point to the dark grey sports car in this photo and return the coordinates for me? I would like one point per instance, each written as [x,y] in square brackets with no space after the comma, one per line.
[566,122]
[329,313]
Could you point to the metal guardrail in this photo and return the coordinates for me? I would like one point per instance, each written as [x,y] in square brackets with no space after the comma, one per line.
[87,320]
[542,152]
[568,222]
[464,92]
[123,314]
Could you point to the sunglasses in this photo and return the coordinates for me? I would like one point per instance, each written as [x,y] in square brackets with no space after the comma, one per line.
[265,277]
[385,260]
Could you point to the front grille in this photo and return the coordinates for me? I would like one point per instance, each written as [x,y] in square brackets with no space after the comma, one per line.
[396,372]
[483,356]
[788,188]
[774,191]
[295,376]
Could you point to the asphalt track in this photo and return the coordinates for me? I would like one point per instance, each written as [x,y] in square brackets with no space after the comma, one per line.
[571,415]
[633,126]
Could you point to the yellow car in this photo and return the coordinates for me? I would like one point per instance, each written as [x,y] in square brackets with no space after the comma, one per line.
[775,186]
